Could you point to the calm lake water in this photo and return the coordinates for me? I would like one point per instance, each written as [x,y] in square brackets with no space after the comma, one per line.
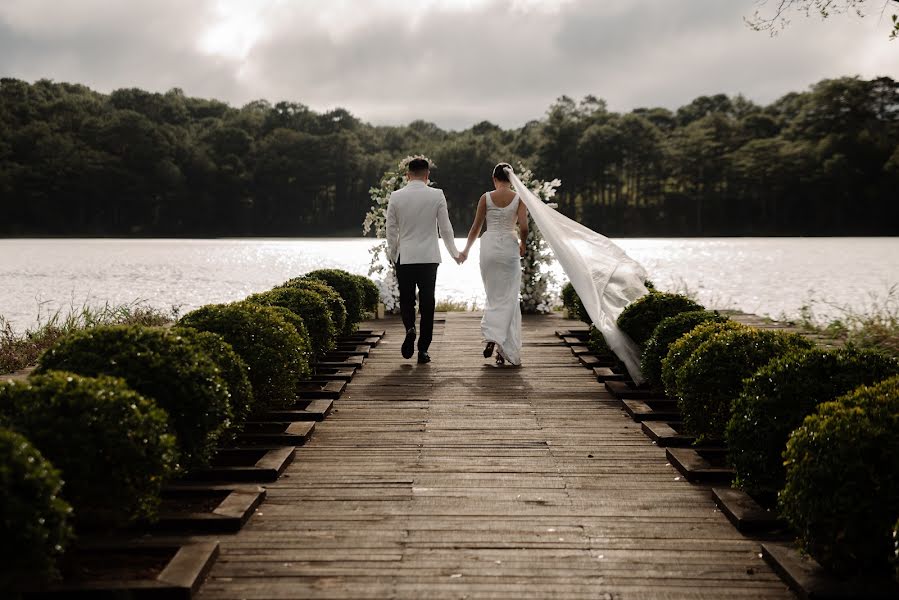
[771,276]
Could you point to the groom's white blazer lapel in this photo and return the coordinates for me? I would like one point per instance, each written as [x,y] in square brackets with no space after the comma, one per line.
[415,216]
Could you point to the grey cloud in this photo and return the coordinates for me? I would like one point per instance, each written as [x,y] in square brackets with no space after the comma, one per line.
[451,66]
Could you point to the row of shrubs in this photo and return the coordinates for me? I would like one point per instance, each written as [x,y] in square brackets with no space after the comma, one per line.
[810,431]
[115,412]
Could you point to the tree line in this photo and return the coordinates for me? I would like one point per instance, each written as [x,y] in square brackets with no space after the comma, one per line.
[75,162]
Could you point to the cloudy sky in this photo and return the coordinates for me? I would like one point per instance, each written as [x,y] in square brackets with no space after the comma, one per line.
[454,62]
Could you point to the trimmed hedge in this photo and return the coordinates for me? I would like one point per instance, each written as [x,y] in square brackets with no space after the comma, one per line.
[640,318]
[597,343]
[112,445]
[335,303]
[274,350]
[309,306]
[348,287]
[666,333]
[572,302]
[776,399]
[34,519]
[842,485]
[231,368]
[164,365]
[371,294]
[712,377]
[681,349]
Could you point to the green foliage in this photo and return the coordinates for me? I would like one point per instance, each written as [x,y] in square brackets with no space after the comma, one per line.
[34,519]
[371,294]
[712,377]
[270,345]
[163,365]
[231,368]
[666,333]
[597,343]
[112,445]
[572,302]
[335,303]
[842,485]
[776,399]
[640,318]
[719,165]
[348,287]
[309,306]
[681,349]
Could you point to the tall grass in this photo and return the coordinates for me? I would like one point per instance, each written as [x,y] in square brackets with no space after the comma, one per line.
[874,325]
[20,350]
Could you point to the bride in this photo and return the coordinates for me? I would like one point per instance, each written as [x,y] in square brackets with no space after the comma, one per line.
[604,276]
[501,252]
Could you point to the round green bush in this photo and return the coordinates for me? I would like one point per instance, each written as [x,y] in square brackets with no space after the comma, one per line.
[273,349]
[640,318]
[842,480]
[231,368]
[163,365]
[778,396]
[346,285]
[681,349]
[371,294]
[597,343]
[666,333]
[572,302]
[712,377]
[34,519]
[112,445]
[310,307]
[335,303]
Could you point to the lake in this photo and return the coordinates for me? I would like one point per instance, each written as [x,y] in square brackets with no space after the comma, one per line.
[768,276]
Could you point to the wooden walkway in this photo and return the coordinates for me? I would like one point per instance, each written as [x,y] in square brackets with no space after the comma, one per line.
[460,480]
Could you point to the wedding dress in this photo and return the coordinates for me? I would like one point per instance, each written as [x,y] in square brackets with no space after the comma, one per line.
[603,275]
[501,274]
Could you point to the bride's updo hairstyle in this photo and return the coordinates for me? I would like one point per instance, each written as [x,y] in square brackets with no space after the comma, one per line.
[499,172]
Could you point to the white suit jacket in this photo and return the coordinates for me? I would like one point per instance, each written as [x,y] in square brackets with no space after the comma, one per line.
[415,215]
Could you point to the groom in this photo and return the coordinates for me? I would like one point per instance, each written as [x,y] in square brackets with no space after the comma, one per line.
[415,213]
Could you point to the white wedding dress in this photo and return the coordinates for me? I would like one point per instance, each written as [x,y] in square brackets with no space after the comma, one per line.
[501,274]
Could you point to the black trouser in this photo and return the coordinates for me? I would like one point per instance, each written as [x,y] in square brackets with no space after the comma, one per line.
[424,276]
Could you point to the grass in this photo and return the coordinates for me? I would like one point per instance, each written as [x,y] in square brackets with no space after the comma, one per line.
[874,326]
[449,305]
[18,351]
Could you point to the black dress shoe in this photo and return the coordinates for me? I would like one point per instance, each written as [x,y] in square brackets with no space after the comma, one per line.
[409,343]
[423,357]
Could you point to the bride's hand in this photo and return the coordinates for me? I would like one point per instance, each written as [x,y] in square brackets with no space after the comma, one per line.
[522,248]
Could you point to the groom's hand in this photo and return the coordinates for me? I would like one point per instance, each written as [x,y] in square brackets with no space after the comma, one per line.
[461,258]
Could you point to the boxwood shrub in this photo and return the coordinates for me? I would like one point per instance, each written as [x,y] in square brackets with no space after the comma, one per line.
[348,287]
[335,303]
[309,306]
[231,368]
[667,332]
[712,377]
[113,446]
[681,349]
[842,480]
[34,519]
[776,399]
[572,302]
[273,349]
[164,365]
[640,318]
[371,294]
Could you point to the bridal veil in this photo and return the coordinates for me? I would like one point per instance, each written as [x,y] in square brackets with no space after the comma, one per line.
[604,276]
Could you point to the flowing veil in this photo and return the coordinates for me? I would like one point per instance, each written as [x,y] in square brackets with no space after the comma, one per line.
[605,278]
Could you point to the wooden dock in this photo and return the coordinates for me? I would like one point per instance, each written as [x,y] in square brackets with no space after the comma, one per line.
[460,480]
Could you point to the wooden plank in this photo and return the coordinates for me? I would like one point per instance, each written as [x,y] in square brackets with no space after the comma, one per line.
[321,389]
[696,467]
[666,434]
[660,409]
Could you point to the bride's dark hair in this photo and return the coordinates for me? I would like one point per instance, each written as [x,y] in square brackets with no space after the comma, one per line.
[499,172]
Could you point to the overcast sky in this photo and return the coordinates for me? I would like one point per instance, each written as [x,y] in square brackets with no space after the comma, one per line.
[454,62]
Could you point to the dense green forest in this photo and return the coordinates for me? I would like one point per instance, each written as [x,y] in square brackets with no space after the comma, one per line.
[77,162]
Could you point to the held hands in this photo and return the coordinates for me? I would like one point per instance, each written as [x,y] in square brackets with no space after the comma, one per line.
[463,256]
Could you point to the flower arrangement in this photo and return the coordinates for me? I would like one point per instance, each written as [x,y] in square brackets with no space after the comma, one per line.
[536,282]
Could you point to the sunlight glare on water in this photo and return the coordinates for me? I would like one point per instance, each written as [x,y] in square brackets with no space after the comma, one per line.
[773,276]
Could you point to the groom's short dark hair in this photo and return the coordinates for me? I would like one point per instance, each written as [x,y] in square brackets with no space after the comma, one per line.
[418,166]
